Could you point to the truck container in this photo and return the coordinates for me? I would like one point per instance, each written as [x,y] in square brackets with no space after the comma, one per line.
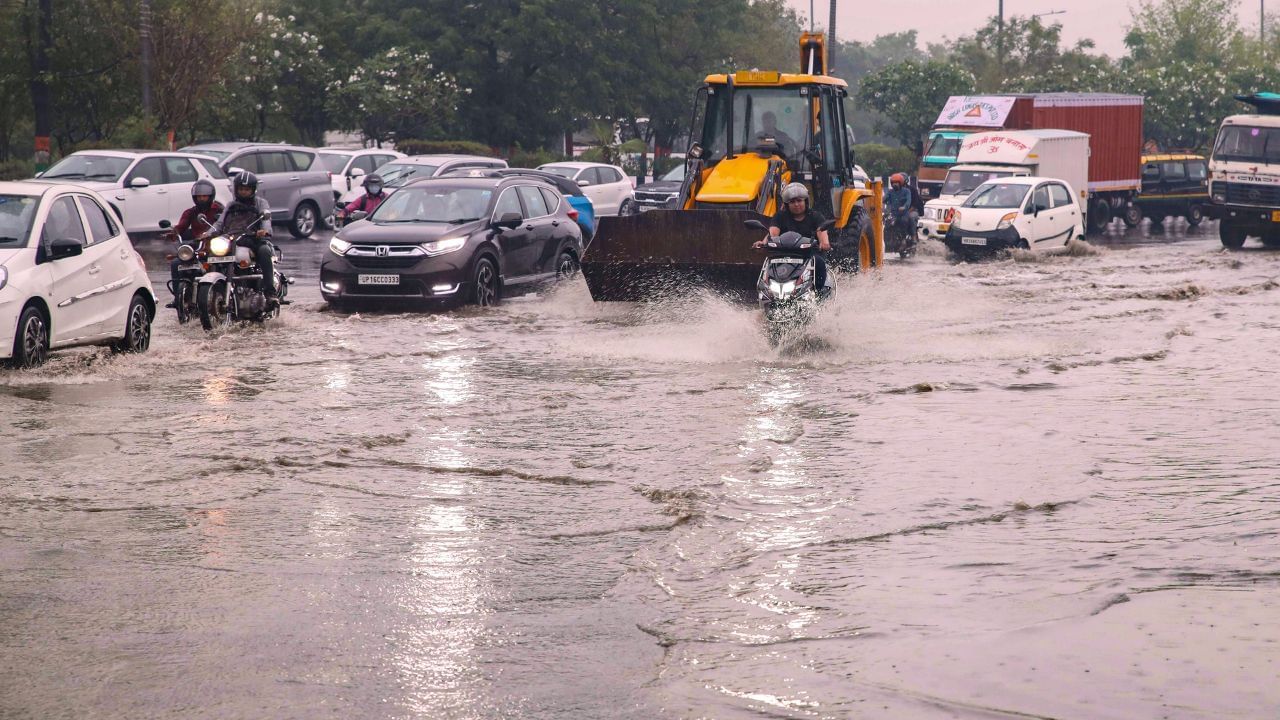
[1060,154]
[1112,121]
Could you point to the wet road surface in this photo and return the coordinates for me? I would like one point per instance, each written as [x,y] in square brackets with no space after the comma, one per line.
[1035,487]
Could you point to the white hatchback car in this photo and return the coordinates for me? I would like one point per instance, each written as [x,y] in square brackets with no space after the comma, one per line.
[609,188]
[142,186]
[1034,213]
[68,275]
[348,167]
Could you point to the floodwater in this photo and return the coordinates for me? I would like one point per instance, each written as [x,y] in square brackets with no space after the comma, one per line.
[1029,488]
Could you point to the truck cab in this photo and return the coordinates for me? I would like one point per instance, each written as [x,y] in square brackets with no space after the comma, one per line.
[1244,174]
[940,153]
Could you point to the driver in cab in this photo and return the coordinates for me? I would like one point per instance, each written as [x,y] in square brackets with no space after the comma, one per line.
[770,128]
[796,216]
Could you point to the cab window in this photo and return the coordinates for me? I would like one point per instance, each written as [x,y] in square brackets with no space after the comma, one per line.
[63,222]
[507,203]
[1059,195]
[1197,171]
[152,169]
[1040,198]
[1173,171]
[1151,172]
[535,206]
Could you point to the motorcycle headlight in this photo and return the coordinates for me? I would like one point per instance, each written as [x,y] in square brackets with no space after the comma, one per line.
[339,246]
[220,245]
[186,253]
[440,247]
[1007,221]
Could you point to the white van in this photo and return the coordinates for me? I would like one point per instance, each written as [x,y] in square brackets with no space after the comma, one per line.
[1034,213]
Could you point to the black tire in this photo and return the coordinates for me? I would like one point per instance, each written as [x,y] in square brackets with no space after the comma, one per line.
[566,266]
[137,328]
[1231,236]
[628,207]
[304,221]
[1099,216]
[1132,215]
[183,299]
[1271,239]
[1195,215]
[211,300]
[486,290]
[31,343]
[1156,218]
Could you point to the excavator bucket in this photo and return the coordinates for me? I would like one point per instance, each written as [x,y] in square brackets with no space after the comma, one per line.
[664,253]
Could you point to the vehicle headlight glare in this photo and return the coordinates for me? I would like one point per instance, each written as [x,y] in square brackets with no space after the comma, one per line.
[446,245]
[186,253]
[220,245]
[339,246]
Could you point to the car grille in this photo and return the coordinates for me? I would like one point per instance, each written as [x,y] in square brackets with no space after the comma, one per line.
[1260,195]
[655,198]
[397,256]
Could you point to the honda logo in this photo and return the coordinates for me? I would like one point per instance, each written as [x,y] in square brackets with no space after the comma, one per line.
[383,250]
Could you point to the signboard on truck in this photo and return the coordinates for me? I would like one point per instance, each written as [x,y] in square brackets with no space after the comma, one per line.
[976,111]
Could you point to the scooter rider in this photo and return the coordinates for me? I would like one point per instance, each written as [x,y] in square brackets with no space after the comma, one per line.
[371,199]
[797,216]
[898,202]
[243,210]
[194,221]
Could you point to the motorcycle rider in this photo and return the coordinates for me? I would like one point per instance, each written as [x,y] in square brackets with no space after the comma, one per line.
[797,216]
[240,213]
[194,221]
[898,203]
[373,196]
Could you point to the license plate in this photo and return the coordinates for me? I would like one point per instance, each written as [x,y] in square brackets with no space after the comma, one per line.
[973,241]
[225,259]
[1275,216]
[190,266]
[379,279]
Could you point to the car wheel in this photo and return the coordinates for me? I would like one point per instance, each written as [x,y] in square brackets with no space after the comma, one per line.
[1232,237]
[137,329]
[628,208]
[1195,215]
[31,344]
[211,300]
[486,290]
[566,266]
[1100,216]
[304,220]
[1132,215]
[1156,218]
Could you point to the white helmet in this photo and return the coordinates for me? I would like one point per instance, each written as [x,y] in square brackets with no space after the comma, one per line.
[794,190]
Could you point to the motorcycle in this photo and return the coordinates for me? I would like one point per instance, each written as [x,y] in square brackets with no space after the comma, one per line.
[899,236]
[231,288]
[786,288]
[190,267]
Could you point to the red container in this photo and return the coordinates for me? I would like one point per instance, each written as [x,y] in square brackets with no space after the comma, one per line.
[1114,125]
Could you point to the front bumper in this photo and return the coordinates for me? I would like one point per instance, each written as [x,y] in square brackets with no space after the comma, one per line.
[655,201]
[932,229]
[981,240]
[1245,215]
[441,280]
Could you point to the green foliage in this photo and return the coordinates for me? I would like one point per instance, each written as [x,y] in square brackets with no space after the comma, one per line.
[444,147]
[880,160]
[909,94]
[399,93]
[17,169]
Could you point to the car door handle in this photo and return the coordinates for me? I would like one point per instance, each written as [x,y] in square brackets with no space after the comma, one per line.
[162,191]
[295,178]
[95,269]
[555,223]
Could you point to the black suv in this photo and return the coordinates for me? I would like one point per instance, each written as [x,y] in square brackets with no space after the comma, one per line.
[1172,185]
[450,241]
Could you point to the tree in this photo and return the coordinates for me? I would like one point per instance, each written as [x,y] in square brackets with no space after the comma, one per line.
[909,94]
[397,95]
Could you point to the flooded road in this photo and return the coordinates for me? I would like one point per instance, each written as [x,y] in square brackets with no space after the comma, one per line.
[1030,488]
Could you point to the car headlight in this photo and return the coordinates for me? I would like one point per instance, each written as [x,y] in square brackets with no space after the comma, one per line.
[339,246]
[4,277]
[220,245]
[186,253]
[440,247]
[1007,221]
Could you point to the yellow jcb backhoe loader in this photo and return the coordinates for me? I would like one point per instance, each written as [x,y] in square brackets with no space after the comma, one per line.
[753,133]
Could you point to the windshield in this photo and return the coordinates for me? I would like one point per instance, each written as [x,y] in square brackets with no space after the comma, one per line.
[962,182]
[941,146]
[758,114]
[564,172]
[16,213]
[397,174]
[675,174]
[1248,144]
[997,195]
[219,155]
[334,162]
[452,205]
[88,167]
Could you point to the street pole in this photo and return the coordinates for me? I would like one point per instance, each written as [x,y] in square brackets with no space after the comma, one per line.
[831,40]
[41,100]
[810,15]
[144,33]
[1000,36]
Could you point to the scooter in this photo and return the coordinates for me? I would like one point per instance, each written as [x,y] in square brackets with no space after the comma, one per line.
[786,288]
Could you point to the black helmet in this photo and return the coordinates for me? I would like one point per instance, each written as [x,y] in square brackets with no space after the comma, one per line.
[372,179]
[202,187]
[246,179]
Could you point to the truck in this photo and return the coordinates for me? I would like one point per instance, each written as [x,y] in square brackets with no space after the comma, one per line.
[1244,174]
[1061,154]
[1113,122]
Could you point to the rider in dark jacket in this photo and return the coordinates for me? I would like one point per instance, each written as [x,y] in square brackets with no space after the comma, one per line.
[242,212]
[194,221]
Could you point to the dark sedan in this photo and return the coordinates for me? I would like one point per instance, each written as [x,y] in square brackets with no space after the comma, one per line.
[453,241]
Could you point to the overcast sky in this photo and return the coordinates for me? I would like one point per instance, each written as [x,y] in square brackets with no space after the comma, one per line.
[1103,21]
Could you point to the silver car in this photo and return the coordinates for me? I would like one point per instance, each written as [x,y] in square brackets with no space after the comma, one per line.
[292,179]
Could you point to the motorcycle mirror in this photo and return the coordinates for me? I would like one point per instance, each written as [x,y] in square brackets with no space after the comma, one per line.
[754,224]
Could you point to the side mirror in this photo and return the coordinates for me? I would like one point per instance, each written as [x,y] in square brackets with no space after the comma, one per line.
[40,174]
[357,215]
[234,170]
[165,224]
[754,224]
[509,220]
[139,183]
[583,183]
[695,152]
[356,172]
[65,248]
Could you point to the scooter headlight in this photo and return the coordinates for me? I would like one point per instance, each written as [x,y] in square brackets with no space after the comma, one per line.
[186,253]
[220,245]
[782,290]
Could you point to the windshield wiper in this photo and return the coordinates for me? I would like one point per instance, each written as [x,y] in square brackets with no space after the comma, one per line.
[63,175]
[97,175]
[406,220]
[5,239]
[459,221]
